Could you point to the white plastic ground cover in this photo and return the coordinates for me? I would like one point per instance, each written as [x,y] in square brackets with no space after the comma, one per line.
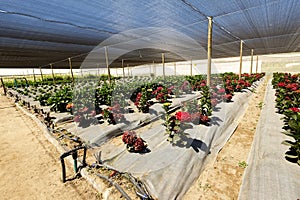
[169,170]
[95,135]
[269,175]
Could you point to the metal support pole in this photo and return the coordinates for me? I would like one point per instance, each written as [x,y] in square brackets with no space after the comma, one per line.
[128,70]
[154,69]
[175,69]
[41,74]
[70,64]
[241,59]
[98,70]
[256,64]
[251,61]
[123,68]
[52,74]
[33,76]
[191,68]
[209,49]
[4,88]
[107,65]
[163,63]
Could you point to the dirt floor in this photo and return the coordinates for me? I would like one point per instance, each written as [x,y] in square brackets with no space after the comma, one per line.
[223,178]
[30,168]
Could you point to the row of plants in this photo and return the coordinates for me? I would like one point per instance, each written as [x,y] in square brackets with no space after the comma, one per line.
[287,94]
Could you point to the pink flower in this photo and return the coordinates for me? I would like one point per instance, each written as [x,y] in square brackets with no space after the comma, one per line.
[222,90]
[159,88]
[214,102]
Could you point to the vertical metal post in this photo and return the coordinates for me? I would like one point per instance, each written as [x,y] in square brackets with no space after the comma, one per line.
[4,88]
[70,64]
[123,68]
[251,61]
[256,64]
[107,65]
[128,70]
[174,68]
[41,74]
[98,70]
[209,49]
[191,68]
[52,74]
[154,69]
[33,76]
[241,59]
[163,63]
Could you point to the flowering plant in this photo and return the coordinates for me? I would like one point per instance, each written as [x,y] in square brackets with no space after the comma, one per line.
[85,117]
[133,142]
[113,114]
[142,102]
[287,102]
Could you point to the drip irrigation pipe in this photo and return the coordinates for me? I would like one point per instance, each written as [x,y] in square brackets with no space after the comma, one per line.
[117,186]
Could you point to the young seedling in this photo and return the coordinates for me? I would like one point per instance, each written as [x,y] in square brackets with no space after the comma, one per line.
[242,164]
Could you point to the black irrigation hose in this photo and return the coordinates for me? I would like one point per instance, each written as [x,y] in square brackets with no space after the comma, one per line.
[142,192]
[117,186]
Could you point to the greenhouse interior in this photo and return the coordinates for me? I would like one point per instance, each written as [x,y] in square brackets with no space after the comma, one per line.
[173,99]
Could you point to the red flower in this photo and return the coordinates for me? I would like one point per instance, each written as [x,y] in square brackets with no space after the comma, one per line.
[77,118]
[294,109]
[204,119]
[247,84]
[281,84]
[183,116]
[159,88]
[139,144]
[129,137]
[238,87]
[227,97]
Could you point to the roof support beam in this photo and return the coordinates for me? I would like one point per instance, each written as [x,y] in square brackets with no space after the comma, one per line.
[251,61]
[41,74]
[209,49]
[163,64]
[70,64]
[107,65]
[241,59]
[33,76]
[52,74]
[123,68]
[256,64]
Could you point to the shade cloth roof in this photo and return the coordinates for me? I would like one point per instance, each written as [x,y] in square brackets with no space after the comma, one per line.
[35,33]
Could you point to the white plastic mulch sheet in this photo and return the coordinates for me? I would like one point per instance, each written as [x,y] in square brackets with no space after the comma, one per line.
[269,175]
[169,170]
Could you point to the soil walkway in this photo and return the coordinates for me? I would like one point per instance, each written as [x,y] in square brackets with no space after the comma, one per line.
[222,179]
[30,168]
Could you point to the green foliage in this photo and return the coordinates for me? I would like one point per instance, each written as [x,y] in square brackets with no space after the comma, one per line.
[288,103]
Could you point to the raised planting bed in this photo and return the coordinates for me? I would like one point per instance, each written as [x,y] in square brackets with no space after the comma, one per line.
[179,120]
